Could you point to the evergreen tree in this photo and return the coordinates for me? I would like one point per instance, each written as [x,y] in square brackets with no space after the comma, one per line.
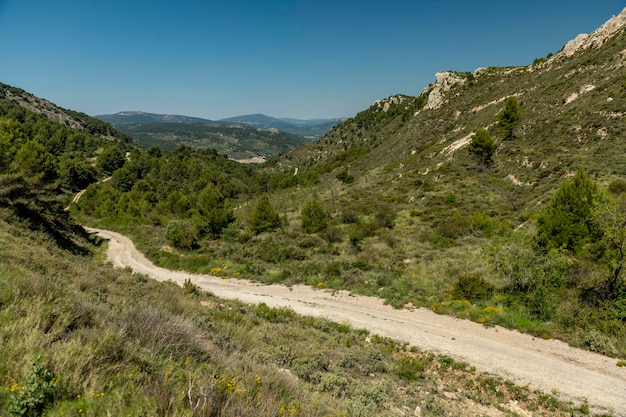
[111,158]
[314,218]
[264,217]
[483,146]
[34,162]
[568,222]
[509,116]
[611,216]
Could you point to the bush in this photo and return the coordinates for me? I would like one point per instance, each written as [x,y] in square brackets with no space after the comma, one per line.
[336,385]
[509,116]
[344,177]
[181,234]
[567,222]
[275,315]
[314,218]
[617,186]
[472,287]
[410,369]
[111,159]
[600,343]
[482,146]
[190,288]
[38,393]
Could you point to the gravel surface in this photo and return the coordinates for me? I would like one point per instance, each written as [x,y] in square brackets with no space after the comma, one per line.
[543,364]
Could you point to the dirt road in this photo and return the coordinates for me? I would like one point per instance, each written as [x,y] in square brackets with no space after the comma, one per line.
[544,364]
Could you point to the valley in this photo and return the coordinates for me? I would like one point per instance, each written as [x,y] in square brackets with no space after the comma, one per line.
[456,252]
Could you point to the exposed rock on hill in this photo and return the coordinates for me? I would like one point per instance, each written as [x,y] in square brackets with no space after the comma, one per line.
[595,39]
[444,81]
[40,106]
[385,105]
[75,120]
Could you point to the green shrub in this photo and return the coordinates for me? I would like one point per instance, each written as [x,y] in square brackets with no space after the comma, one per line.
[349,214]
[334,384]
[482,146]
[36,395]
[600,343]
[385,217]
[567,222]
[274,315]
[310,368]
[190,288]
[409,368]
[314,217]
[488,226]
[333,234]
[344,177]
[472,287]
[617,186]
[181,234]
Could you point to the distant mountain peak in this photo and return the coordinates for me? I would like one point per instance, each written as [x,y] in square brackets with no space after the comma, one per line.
[132,116]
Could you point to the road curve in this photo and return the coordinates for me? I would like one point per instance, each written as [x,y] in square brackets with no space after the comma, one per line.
[543,364]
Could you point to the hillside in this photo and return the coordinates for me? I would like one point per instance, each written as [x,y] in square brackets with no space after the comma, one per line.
[75,120]
[572,104]
[313,128]
[237,140]
[135,117]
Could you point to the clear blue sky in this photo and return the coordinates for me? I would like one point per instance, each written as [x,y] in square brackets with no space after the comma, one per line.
[302,59]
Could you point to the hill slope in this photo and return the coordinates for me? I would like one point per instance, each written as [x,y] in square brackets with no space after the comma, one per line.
[573,106]
[134,117]
[237,140]
[75,120]
[314,128]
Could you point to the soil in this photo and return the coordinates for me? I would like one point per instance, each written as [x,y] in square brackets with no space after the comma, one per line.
[548,365]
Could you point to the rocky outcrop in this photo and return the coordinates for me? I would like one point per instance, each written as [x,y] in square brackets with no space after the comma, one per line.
[595,39]
[384,105]
[444,81]
[41,106]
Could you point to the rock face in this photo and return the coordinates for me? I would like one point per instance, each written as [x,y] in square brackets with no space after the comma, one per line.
[596,39]
[443,82]
[384,105]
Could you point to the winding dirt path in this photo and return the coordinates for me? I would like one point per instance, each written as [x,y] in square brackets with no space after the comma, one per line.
[544,364]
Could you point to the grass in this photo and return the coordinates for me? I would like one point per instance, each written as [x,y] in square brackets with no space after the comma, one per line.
[117,343]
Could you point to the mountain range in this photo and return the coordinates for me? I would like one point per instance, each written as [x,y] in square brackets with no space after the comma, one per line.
[250,138]
[311,128]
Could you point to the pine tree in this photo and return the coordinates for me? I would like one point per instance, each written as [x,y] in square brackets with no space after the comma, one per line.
[314,218]
[264,217]
[509,116]
[483,146]
[568,222]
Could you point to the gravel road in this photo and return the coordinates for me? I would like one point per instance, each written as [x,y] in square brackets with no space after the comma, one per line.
[544,364]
